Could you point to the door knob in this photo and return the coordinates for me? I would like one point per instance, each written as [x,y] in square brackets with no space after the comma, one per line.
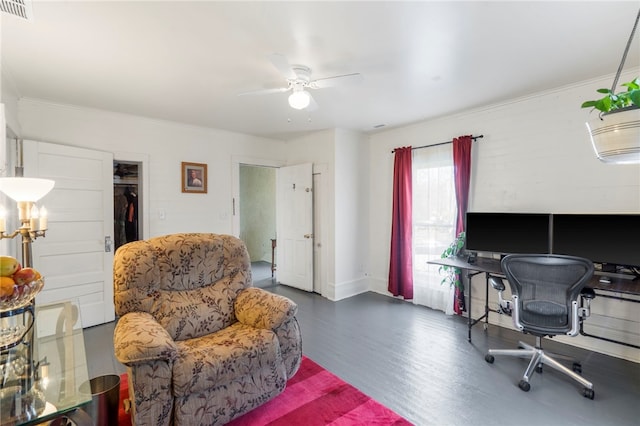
[308,235]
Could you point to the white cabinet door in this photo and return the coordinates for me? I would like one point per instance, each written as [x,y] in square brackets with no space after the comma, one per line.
[73,257]
[294,225]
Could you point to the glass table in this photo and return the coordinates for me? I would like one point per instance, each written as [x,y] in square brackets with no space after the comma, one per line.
[43,377]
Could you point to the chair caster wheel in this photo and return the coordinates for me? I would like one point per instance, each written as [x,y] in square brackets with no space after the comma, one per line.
[524,385]
[489,358]
[577,367]
[539,368]
[588,393]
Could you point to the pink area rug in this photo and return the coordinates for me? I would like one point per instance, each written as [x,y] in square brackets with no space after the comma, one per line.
[313,397]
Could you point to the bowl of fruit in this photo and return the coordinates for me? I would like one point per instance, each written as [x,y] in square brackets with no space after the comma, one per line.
[18,285]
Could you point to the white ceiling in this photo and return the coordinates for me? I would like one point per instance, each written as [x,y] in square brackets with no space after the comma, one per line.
[188,61]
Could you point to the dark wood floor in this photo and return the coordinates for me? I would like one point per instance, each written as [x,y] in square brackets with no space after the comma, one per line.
[419,363]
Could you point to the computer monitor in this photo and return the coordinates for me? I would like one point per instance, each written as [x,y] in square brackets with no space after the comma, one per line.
[612,239]
[507,233]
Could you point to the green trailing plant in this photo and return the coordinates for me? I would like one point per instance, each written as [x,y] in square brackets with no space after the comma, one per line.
[615,101]
[451,273]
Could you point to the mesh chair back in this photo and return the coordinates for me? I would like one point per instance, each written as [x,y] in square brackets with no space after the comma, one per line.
[546,288]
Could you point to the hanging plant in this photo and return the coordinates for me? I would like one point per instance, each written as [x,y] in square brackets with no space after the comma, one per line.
[615,131]
[611,101]
[451,273]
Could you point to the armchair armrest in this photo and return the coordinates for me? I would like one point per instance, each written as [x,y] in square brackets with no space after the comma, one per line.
[261,309]
[138,338]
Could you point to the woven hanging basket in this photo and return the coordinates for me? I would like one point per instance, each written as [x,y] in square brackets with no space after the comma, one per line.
[615,136]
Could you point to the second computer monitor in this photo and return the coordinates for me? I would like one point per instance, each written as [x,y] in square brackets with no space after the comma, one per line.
[612,239]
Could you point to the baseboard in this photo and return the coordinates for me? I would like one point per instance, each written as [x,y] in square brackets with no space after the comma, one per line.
[349,288]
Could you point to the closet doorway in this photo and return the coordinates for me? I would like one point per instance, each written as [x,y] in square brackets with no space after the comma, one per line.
[257,211]
[127,188]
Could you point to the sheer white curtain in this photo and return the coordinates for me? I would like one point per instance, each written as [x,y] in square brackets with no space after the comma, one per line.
[434,214]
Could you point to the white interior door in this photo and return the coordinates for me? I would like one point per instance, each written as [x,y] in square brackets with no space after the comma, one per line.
[74,257]
[294,224]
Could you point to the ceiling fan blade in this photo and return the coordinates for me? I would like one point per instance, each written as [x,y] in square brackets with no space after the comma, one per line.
[282,64]
[266,91]
[339,80]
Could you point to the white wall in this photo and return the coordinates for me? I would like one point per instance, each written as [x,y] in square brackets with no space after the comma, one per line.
[167,145]
[8,126]
[4,245]
[9,99]
[343,155]
[319,148]
[351,217]
[535,156]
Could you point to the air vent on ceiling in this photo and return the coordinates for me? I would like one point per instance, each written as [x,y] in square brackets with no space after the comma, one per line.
[20,8]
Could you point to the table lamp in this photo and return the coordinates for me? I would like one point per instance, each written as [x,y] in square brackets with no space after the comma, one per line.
[26,192]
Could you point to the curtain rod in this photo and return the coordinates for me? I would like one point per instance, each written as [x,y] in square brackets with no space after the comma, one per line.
[441,143]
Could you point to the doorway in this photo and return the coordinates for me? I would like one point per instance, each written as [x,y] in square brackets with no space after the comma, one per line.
[320,215]
[127,220]
[257,208]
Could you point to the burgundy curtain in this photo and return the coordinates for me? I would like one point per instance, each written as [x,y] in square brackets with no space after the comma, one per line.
[401,262]
[462,171]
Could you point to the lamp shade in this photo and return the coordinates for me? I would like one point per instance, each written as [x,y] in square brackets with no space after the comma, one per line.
[26,189]
[299,99]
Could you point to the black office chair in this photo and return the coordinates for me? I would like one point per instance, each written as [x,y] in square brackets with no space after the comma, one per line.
[546,292]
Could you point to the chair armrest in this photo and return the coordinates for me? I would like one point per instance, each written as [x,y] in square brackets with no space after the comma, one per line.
[588,293]
[138,338]
[497,283]
[261,309]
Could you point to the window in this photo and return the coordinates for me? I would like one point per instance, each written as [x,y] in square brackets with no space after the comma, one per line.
[434,212]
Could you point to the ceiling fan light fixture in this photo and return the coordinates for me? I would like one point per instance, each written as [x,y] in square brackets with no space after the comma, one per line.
[299,99]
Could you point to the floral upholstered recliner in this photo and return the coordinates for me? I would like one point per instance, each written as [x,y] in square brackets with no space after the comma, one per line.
[201,345]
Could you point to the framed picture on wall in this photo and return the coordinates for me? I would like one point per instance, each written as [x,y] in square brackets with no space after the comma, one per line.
[194,178]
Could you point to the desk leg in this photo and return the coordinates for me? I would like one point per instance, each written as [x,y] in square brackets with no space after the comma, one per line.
[472,321]
[486,301]
[469,278]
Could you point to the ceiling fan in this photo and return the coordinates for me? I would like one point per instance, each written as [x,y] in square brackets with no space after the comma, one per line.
[298,79]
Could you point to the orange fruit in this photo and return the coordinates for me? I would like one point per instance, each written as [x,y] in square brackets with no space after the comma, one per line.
[7,285]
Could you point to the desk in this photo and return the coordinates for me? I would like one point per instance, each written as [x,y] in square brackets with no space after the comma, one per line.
[480,266]
[625,288]
[60,368]
[491,267]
